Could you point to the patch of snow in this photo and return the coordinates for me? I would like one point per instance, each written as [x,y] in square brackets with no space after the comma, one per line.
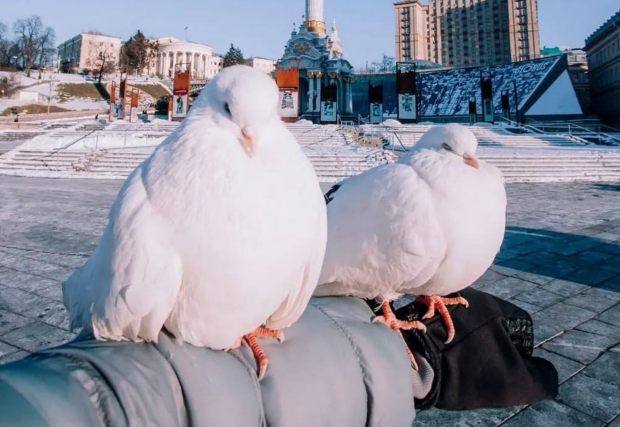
[391,123]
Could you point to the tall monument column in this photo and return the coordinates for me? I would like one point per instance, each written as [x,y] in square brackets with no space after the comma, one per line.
[314,16]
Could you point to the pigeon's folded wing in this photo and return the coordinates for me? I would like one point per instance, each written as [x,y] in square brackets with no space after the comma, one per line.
[296,302]
[383,233]
[129,285]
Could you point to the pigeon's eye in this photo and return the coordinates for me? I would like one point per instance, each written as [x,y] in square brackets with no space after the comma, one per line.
[446,147]
[227,109]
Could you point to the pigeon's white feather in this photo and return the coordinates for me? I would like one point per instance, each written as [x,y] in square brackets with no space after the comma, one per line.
[204,239]
[428,224]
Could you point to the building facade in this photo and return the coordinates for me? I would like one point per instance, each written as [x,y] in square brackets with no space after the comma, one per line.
[320,60]
[411,31]
[83,50]
[603,52]
[467,33]
[265,65]
[217,63]
[181,54]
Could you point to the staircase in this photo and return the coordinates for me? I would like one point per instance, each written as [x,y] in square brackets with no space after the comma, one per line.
[492,136]
[44,161]
[12,139]
[522,157]
[499,137]
[329,167]
[558,168]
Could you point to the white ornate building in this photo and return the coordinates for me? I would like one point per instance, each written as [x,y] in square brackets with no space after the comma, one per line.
[199,58]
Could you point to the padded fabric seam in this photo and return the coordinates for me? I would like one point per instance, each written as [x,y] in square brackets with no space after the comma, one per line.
[357,352]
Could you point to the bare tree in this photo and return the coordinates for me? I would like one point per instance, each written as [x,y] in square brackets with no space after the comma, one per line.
[8,85]
[104,63]
[46,45]
[4,44]
[386,64]
[34,42]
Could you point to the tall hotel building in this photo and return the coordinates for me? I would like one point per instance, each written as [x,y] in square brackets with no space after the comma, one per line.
[467,33]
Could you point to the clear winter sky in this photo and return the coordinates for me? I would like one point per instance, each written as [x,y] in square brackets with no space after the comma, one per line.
[261,27]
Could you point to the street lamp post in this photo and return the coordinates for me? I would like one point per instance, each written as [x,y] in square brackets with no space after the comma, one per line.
[49,97]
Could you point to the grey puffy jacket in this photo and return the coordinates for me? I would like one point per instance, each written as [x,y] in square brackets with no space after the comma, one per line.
[335,369]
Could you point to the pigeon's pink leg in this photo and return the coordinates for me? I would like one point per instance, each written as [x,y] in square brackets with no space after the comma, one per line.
[389,319]
[441,305]
[252,340]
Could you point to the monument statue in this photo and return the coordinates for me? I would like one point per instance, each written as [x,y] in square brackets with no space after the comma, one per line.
[311,97]
[314,16]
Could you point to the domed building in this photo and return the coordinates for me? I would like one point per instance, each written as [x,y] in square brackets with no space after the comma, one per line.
[173,53]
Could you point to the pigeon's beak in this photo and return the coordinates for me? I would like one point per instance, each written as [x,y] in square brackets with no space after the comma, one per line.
[248,142]
[471,160]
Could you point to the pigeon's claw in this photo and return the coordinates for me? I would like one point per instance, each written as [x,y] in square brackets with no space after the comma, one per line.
[252,341]
[441,305]
[389,319]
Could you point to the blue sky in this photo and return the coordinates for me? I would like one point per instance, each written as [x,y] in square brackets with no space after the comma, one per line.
[261,27]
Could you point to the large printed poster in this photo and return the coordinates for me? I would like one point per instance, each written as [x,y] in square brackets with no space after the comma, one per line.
[179,106]
[328,111]
[289,103]
[407,106]
[376,112]
[487,110]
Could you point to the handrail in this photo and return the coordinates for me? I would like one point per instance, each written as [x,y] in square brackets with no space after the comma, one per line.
[361,120]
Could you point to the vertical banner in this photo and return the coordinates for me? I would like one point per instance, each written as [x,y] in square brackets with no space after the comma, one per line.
[112,102]
[288,84]
[473,111]
[329,101]
[506,104]
[123,96]
[486,88]
[375,100]
[516,94]
[133,112]
[406,89]
[180,95]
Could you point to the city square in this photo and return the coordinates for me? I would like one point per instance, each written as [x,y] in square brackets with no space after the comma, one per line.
[561,269]
[97,119]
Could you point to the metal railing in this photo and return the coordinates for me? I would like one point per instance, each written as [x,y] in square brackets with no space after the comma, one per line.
[382,125]
[572,130]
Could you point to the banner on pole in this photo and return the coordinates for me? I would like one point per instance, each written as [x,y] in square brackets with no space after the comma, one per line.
[375,99]
[123,96]
[329,101]
[180,97]
[288,84]
[406,88]
[486,89]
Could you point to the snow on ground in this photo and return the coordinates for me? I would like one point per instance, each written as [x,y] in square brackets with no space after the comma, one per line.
[83,104]
[6,103]
[71,140]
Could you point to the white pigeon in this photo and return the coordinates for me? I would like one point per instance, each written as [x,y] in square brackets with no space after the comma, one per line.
[222,230]
[429,224]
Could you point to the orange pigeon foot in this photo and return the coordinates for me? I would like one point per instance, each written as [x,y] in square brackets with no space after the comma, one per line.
[252,340]
[389,319]
[441,305]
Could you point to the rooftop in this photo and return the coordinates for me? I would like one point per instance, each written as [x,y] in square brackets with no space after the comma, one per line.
[611,22]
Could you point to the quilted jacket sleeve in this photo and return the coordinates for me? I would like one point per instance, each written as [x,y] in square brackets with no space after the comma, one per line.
[335,368]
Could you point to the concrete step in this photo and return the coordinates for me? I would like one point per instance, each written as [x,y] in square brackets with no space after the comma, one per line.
[43,163]
[46,156]
[53,168]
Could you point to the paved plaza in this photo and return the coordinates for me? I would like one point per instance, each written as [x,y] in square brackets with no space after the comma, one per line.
[560,261]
